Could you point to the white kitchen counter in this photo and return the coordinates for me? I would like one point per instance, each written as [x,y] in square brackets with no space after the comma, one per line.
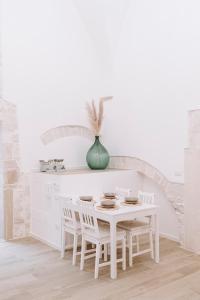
[46,205]
[80,171]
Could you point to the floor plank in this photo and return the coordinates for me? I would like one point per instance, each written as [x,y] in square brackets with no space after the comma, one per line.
[31,270]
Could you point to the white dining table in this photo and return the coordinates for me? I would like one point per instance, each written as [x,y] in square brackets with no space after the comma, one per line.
[126,213]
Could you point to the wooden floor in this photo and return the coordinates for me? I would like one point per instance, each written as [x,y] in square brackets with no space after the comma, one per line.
[31,270]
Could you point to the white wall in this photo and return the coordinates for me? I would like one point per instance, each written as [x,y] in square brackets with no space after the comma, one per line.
[57,54]
[50,69]
[168,222]
[156,80]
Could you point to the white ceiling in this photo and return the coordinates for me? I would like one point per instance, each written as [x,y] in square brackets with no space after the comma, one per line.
[103,20]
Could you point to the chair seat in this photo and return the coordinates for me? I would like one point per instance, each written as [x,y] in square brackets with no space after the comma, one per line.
[69,227]
[104,233]
[134,225]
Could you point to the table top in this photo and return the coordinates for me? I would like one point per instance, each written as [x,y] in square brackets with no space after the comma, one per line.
[121,210]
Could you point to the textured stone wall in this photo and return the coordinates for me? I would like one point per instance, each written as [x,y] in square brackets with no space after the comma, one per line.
[15,185]
[192,184]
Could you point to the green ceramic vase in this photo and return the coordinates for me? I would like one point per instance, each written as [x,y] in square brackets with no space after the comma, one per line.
[97,157]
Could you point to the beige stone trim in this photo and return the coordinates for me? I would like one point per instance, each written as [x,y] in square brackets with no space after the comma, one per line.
[174,191]
[64,131]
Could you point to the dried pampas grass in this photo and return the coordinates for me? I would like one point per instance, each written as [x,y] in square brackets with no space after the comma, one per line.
[96,118]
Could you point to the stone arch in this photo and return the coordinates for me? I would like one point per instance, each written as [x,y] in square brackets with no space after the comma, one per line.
[173,191]
[64,131]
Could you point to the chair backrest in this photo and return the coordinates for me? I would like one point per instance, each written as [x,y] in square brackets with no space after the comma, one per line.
[123,192]
[146,198]
[88,219]
[68,213]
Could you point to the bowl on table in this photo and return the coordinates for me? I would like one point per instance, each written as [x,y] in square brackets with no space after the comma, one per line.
[108,203]
[86,198]
[131,200]
[109,195]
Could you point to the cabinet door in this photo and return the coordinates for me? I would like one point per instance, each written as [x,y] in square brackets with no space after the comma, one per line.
[53,214]
[39,225]
[45,211]
[55,220]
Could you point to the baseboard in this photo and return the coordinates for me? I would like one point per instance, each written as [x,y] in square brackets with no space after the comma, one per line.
[69,247]
[44,241]
[169,237]
[191,250]
[36,237]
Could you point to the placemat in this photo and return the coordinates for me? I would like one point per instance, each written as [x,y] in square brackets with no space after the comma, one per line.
[131,204]
[104,198]
[107,209]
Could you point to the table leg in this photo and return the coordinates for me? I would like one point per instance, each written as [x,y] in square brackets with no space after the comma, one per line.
[113,249]
[157,247]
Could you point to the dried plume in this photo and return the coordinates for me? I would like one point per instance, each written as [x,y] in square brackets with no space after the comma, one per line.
[96,118]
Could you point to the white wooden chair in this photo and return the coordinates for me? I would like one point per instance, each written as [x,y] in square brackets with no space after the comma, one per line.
[98,234]
[103,250]
[136,228]
[71,225]
[122,192]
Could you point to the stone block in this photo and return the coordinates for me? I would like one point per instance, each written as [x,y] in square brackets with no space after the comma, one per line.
[7,151]
[8,212]
[19,230]
[10,164]
[11,176]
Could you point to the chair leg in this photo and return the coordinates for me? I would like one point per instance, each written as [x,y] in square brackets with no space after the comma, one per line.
[75,249]
[101,252]
[83,247]
[130,249]
[96,273]
[63,242]
[108,247]
[124,254]
[105,247]
[137,243]
[151,244]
